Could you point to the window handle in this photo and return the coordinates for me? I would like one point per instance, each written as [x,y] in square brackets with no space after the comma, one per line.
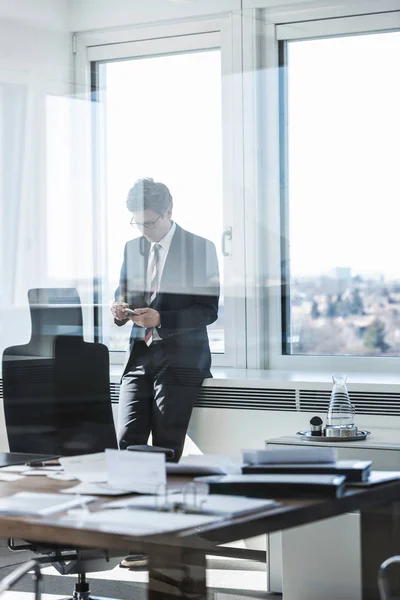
[227,235]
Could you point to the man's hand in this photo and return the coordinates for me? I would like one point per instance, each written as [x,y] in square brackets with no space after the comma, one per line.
[118,310]
[146,317]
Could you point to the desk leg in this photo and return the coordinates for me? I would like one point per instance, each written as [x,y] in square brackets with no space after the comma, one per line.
[380,538]
[177,573]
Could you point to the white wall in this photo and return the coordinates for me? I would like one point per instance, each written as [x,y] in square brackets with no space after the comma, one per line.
[89,15]
[35,38]
[324,8]
[101,14]
[44,14]
[42,55]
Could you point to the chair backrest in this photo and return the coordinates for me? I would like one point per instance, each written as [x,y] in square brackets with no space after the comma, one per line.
[54,311]
[56,388]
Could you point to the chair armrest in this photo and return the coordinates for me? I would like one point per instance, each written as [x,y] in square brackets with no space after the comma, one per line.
[383,581]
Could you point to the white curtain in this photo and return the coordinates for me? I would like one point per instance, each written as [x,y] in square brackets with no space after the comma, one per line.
[13,113]
[15,212]
[46,208]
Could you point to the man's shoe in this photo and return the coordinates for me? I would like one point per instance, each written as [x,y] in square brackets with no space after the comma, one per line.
[134,560]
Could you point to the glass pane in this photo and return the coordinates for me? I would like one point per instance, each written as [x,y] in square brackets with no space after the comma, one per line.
[343,210]
[162,119]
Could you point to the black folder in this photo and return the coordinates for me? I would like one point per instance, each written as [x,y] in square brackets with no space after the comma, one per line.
[354,470]
[276,486]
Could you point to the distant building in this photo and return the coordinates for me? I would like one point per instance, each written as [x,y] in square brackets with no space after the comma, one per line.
[343,278]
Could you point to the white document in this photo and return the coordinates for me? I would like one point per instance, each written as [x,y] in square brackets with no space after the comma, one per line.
[214,504]
[40,472]
[86,467]
[36,504]
[61,476]
[116,472]
[141,472]
[10,476]
[292,455]
[98,489]
[139,522]
[13,468]
[203,464]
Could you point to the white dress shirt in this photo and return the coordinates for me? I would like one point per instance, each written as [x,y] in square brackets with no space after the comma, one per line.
[163,249]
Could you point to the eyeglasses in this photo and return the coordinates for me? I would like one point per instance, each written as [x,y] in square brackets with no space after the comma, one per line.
[145,224]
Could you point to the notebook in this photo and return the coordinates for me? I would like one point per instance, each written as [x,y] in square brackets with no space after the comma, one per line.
[354,470]
[36,504]
[271,486]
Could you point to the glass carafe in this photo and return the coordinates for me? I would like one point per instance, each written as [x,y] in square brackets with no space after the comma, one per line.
[340,418]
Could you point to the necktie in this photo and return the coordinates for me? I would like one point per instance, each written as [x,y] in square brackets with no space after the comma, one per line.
[148,334]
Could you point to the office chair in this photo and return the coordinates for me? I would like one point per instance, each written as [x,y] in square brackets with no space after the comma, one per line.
[56,393]
[8,582]
[56,388]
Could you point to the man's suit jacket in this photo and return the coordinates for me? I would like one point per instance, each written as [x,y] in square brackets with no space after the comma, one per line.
[187,299]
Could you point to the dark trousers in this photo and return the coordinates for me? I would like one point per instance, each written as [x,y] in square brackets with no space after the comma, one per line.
[152,399]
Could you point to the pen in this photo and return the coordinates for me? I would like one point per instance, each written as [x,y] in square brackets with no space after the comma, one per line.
[43,463]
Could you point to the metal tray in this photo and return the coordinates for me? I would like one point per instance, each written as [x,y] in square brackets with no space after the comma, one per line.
[361,435]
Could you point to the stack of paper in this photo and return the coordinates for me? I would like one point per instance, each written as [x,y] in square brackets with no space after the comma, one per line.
[303,461]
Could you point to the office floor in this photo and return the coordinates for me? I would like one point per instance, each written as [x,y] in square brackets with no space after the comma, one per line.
[228,579]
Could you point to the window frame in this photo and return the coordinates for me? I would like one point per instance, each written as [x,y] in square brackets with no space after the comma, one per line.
[280,28]
[102,46]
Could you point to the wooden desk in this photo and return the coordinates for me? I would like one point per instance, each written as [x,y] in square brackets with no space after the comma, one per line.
[182,555]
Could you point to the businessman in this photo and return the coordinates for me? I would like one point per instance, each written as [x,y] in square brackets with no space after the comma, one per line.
[169,291]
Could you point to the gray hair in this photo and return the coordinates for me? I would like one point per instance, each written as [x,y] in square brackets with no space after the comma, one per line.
[149,194]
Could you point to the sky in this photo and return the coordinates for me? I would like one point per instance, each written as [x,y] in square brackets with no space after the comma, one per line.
[344,154]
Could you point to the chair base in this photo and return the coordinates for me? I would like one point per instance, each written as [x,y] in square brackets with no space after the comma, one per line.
[82,591]
[86,597]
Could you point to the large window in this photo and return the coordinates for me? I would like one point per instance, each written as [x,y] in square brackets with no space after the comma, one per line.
[159,112]
[284,154]
[341,139]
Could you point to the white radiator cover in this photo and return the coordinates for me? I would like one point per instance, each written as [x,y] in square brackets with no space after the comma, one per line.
[233,413]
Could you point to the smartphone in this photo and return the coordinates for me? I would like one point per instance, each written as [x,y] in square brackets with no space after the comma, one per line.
[130,311]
